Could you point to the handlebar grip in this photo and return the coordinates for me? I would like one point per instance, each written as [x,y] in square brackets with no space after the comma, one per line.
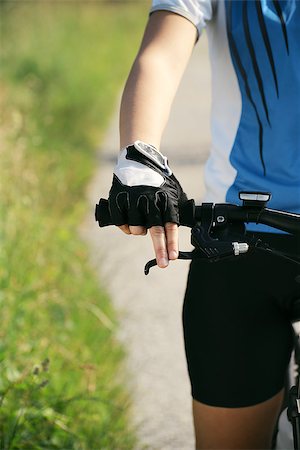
[102,213]
[187,213]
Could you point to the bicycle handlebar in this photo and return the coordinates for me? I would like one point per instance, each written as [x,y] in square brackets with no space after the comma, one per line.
[223,213]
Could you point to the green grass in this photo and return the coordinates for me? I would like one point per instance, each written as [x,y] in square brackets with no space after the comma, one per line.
[62,65]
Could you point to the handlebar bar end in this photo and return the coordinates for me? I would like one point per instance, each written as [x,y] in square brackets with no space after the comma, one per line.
[102,213]
[187,213]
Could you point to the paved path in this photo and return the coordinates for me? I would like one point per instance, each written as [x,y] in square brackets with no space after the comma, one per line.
[150,307]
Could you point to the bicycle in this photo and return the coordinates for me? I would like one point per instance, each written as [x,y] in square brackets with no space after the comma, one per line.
[218,232]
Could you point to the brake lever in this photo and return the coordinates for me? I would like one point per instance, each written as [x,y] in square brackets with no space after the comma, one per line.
[207,248]
[230,249]
[153,262]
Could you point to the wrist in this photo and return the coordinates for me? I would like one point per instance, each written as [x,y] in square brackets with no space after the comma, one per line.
[131,138]
[138,142]
[147,154]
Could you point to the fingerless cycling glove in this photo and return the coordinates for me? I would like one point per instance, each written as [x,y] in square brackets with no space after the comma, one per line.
[144,190]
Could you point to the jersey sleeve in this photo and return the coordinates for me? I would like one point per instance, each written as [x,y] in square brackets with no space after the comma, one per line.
[199,12]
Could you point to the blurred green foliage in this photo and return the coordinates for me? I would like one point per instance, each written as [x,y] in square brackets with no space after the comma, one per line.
[62,65]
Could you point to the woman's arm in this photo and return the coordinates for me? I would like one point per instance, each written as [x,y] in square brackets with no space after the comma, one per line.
[154,78]
[146,102]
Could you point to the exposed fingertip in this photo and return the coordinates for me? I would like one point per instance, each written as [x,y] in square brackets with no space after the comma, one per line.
[125,229]
[137,230]
[163,263]
[173,254]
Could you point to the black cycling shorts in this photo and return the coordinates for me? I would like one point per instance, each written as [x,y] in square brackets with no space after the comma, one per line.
[237,324]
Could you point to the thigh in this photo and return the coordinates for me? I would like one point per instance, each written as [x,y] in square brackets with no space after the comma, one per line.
[238,339]
[236,428]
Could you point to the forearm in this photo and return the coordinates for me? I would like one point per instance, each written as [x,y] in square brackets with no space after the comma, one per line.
[146,101]
[154,78]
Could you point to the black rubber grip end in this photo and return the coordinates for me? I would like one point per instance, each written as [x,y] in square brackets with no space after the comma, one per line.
[187,213]
[102,213]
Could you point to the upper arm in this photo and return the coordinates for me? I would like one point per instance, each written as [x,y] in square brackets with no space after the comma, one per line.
[170,36]
[198,12]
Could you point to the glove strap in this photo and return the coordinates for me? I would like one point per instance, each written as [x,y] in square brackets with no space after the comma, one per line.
[148,155]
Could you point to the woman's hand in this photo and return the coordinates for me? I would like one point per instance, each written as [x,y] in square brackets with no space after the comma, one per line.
[164,240]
